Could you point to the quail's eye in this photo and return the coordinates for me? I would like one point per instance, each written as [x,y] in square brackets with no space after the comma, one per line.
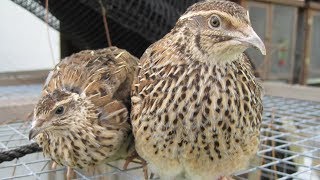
[214,21]
[59,110]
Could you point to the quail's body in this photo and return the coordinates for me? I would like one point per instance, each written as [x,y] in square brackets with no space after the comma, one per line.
[199,118]
[196,110]
[81,119]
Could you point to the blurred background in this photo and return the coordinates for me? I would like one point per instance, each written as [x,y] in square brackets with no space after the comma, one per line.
[36,34]
[289,28]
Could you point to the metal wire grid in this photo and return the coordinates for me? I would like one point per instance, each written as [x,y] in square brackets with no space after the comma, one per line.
[290,148]
[35,166]
[39,11]
[290,141]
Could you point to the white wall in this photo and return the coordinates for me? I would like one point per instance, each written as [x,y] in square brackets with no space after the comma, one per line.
[24,43]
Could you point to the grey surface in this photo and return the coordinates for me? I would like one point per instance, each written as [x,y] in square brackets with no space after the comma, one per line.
[18,95]
[17,102]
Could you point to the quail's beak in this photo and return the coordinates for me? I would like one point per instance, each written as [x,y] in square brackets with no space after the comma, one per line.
[37,128]
[34,132]
[253,40]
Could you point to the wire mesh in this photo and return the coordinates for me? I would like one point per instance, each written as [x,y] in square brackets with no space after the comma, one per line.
[39,11]
[290,141]
[290,148]
[133,24]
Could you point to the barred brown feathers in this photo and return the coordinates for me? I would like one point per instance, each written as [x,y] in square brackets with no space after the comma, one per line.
[196,105]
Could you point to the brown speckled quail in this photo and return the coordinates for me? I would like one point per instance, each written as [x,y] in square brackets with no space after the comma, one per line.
[82,119]
[196,105]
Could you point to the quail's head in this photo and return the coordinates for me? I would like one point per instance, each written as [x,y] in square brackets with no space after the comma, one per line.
[221,30]
[59,111]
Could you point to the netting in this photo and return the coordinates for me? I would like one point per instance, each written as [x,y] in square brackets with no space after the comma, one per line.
[133,24]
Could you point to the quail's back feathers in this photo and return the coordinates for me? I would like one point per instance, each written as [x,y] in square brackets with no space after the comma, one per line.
[105,73]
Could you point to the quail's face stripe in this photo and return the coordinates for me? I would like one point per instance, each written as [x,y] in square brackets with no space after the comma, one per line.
[223,6]
[207,14]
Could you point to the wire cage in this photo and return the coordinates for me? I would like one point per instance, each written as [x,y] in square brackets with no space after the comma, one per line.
[290,148]
[290,138]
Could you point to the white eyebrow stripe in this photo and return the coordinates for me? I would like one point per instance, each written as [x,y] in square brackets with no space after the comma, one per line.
[188,15]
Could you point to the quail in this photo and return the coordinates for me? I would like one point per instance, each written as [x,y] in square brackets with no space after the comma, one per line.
[82,119]
[196,104]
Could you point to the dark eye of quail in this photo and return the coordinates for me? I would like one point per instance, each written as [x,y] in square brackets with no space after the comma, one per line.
[214,21]
[59,110]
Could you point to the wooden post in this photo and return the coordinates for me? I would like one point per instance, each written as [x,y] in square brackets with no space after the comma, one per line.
[307,45]
[299,50]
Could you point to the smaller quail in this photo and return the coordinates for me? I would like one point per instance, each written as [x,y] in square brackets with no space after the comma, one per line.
[81,119]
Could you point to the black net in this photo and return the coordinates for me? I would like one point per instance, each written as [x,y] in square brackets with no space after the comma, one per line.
[39,11]
[133,24]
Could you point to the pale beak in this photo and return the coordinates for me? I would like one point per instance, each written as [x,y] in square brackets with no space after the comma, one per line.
[252,39]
